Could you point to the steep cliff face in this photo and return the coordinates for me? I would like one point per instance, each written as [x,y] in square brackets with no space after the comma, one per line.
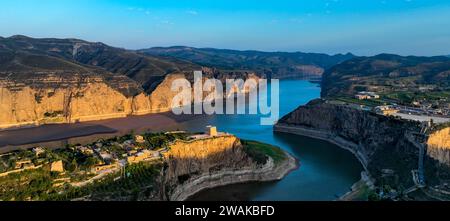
[187,159]
[192,166]
[69,80]
[379,142]
[78,98]
[439,145]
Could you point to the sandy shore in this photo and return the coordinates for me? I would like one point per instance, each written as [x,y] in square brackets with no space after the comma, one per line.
[60,134]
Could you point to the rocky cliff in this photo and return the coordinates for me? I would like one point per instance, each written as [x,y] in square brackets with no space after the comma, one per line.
[439,145]
[388,147]
[52,98]
[69,80]
[192,166]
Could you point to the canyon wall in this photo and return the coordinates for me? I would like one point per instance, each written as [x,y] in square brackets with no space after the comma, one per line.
[58,99]
[381,143]
[31,99]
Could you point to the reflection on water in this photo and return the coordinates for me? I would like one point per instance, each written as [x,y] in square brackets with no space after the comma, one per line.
[326,171]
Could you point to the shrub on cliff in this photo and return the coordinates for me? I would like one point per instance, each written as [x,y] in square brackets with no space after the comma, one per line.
[260,152]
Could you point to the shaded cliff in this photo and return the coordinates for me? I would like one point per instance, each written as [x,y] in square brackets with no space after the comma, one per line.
[388,147]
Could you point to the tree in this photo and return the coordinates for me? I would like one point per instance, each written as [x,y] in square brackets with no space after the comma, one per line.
[91,161]
[72,166]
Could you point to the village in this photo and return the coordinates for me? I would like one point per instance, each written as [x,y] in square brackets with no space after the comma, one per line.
[423,110]
[80,165]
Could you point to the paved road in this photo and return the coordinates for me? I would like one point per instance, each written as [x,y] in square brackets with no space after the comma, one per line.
[423,118]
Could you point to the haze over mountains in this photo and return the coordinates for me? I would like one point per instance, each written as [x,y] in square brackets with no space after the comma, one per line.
[272,64]
[69,80]
[21,53]
[386,73]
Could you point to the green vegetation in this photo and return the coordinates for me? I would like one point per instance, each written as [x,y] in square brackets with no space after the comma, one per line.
[39,184]
[407,97]
[78,162]
[260,151]
[360,192]
[437,127]
[53,114]
[369,103]
[162,140]
[28,185]
[137,182]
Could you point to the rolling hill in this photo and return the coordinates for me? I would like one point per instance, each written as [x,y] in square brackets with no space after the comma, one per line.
[271,64]
[386,73]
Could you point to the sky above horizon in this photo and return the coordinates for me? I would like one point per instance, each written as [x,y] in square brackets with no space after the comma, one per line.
[362,27]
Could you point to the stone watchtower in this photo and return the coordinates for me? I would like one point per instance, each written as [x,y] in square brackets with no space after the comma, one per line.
[212,131]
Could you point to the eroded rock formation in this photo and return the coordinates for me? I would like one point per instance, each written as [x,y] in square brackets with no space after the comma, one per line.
[381,143]
[439,145]
[79,98]
[200,164]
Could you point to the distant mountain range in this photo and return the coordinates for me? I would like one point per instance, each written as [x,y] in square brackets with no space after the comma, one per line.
[132,72]
[20,54]
[272,64]
[147,68]
[386,72]
[69,80]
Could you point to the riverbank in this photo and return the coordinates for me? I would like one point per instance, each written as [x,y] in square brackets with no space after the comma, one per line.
[358,190]
[326,136]
[59,135]
[268,172]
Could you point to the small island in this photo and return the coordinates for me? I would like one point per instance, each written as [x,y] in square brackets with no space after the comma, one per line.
[152,166]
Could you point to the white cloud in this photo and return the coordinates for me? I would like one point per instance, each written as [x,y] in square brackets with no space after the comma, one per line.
[192,12]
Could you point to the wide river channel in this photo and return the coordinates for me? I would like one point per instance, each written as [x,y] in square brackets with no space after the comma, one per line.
[326,171]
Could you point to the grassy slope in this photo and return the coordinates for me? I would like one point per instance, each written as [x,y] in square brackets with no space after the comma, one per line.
[260,151]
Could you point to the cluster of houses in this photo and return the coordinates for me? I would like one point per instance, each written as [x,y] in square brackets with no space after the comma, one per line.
[21,165]
[134,153]
[109,160]
[425,108]
[387,110]
[367,95]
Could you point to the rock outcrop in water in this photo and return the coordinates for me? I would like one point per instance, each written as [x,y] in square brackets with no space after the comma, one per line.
[381,143]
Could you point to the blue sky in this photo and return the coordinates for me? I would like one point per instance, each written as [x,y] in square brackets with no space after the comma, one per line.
[364,27]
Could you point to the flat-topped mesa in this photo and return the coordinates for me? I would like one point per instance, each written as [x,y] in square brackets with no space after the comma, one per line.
[215,159]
